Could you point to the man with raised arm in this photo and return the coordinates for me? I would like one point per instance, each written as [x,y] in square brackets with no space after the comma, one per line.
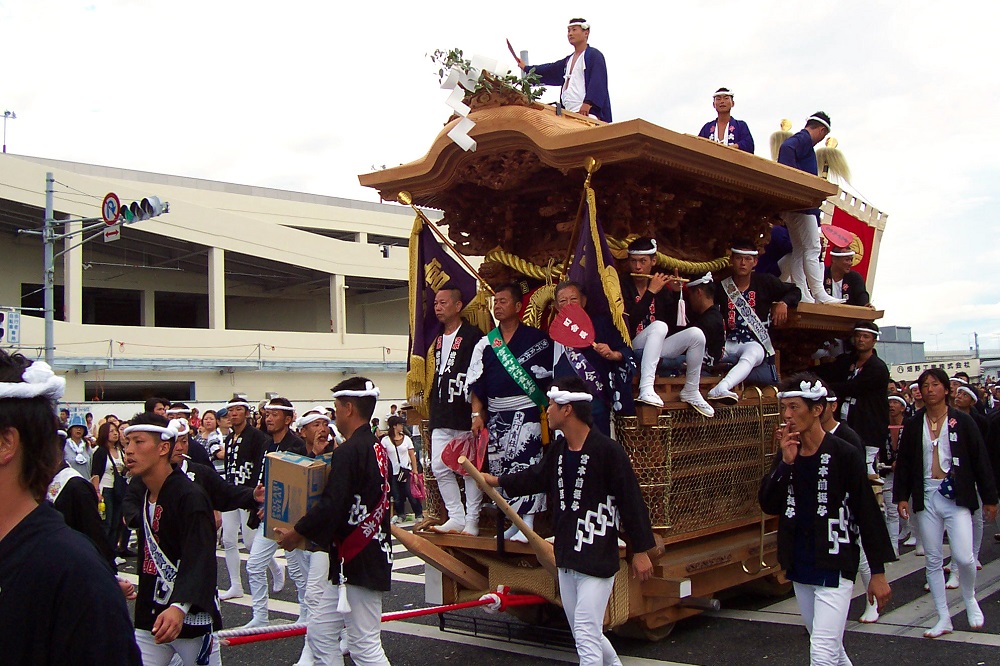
[582,75]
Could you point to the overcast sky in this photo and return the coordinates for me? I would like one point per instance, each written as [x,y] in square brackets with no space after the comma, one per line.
[306,95]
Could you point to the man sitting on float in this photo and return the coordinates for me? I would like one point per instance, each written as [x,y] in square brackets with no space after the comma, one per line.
[750,303]
[650,302]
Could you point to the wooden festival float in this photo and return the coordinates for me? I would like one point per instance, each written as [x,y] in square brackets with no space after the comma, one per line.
[515,201]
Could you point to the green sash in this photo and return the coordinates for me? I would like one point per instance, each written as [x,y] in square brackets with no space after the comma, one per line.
[514,369]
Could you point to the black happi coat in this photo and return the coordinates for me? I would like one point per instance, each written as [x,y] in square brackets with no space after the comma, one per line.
[449,407]
[764,291]
[641,312]
[245,456]
[713,325]
[970,466]
[184,527]
[865,394]
[587,527]
[850,511]
[353,490]
[221,495]
[77,502]
[846,433]
[853,287]
[51,583]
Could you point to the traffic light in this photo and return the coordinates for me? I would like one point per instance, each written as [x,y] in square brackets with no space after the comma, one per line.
[143,210]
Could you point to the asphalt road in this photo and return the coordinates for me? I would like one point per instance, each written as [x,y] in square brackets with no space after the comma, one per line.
[750,628]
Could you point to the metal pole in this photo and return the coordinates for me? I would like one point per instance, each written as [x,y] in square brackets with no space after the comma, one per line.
[48,240]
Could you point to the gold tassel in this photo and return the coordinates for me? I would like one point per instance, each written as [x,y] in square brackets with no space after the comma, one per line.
[780,137]
[477,312]
[831,162]
[540,299]
[609,276]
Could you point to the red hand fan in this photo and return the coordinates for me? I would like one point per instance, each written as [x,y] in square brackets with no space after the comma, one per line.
[572,327]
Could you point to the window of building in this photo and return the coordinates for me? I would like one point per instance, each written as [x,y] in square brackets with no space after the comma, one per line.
[179,310]
[122,391]
[112,307]
[33,296]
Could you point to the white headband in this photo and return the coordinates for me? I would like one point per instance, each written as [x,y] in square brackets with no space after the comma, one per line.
[845,253]
[560,397]
[866,330]
[310,417]
[814,392]
[583,25]
[820,121]
[178,411]
[238,403]
[831,398]
[901,399]
[180,426]
[914,385]
[704,279]
[644,252]
[371,391]
[283,408]
[720,91]
[749,253]
[966,389]
[39,381]
[958,379]
[166,434]
[62,433]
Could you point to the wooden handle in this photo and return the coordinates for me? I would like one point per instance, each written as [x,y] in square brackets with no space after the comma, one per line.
[673,278]
[543,550]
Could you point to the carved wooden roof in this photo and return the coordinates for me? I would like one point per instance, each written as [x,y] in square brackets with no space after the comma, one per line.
[521,188]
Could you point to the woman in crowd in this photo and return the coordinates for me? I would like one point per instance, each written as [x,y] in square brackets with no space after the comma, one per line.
[107,473]
[402,456]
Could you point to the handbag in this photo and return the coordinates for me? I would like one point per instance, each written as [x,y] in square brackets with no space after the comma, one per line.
[417,488]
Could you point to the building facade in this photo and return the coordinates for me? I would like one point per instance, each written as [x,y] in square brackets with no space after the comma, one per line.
[237,288]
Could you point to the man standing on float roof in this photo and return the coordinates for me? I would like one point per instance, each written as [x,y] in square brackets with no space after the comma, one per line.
[725,129]
[583,75]
[803,225]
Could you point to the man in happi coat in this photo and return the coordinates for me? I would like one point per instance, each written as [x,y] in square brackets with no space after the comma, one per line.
[583,75]
[503,378]
[725,129]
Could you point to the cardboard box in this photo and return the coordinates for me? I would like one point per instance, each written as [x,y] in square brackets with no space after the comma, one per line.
[293,484]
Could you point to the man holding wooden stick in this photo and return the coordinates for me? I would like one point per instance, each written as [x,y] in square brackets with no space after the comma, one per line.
[593,486]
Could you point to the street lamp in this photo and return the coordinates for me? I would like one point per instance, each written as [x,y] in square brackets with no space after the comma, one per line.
[7,115]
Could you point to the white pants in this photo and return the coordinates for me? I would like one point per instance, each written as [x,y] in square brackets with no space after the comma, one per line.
[939,514]
[201,651]
[363,627]
[585,598]
[824,612]
[261,559]
[748,356]
[654,343]
[891,513]
[232,523]
[805,267]
[447,481]
[319,570]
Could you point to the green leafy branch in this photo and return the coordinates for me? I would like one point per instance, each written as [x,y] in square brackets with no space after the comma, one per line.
[527,83]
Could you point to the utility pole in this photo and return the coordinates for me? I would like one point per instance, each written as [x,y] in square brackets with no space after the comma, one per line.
[112,214]
[48,240]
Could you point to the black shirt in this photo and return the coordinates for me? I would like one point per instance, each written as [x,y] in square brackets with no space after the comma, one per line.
[51,581]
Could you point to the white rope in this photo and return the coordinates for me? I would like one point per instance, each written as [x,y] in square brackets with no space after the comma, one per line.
[560,397]
[806,391]
[164,433]
[39,380]
[253,631]
[371,391]
[749,253]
